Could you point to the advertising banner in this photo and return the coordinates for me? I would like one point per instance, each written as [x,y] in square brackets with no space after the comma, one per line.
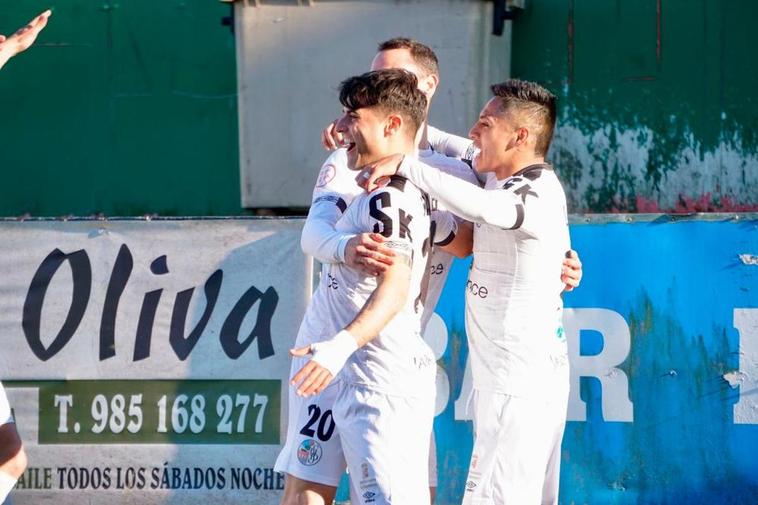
[146,361]
[663,345]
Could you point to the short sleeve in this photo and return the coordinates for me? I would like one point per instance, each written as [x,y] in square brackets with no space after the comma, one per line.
[335,182]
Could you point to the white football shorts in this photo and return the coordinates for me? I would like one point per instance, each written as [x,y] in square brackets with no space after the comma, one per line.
[5,408]
[385,439]
[312,450]
[517,450]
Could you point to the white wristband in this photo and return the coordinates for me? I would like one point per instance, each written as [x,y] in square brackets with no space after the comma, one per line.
[333,353]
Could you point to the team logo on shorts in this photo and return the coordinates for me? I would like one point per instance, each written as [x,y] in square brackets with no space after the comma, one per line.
[326,175]
[470,485]
[309,453]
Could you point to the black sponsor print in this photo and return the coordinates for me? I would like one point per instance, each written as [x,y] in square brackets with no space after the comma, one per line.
[81,270]
[477,290]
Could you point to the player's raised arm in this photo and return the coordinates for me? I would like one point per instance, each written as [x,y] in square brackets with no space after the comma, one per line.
[23,38]
[449,144]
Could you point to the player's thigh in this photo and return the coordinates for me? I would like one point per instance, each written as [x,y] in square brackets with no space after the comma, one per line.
[432,465]
[511,451]
[550,487]
[303,492]
[312,451]
[12,456]
[386,444]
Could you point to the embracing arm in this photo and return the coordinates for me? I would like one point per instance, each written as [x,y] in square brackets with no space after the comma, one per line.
[463,243]
[449,144]
[319,238]
[500,208]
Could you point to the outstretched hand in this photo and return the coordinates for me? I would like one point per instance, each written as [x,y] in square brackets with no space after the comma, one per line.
[375,174]
[23,38]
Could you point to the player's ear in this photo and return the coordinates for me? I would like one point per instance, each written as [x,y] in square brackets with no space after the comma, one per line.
[393,124]
[522,136]
[429,85]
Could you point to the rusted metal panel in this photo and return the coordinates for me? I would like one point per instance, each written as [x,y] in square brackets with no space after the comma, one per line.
[658,101]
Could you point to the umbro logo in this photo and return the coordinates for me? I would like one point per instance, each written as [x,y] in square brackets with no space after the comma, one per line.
[368,496]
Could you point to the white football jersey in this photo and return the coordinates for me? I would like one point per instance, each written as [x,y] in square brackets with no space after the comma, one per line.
[513,294]
[336,187]
[445,228]
[397,361]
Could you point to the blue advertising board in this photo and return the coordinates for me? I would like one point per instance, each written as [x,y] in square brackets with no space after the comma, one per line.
[663,342]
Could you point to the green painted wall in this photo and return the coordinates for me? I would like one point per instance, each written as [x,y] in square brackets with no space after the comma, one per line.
[121,108]
[659,100]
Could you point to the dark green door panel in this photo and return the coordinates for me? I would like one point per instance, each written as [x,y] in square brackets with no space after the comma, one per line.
[120,108]
[658,100]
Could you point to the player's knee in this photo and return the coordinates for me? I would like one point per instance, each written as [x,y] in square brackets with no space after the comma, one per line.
[312,497]
[299,492]
[12,455]
[16,465]
[303,498]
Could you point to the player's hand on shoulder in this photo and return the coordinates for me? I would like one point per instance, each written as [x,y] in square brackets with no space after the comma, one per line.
[366,252]
[331,139]
[571,271]
[375,174]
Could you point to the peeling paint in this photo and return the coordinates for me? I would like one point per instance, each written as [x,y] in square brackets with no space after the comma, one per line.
[612,169]
[735,379]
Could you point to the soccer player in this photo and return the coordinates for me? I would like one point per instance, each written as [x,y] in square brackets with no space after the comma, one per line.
[370,325]
[335,190]
[518,348]
[12,455]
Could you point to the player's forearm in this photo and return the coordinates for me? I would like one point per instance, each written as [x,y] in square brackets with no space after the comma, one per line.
[4,56]
[463,243]
[463,199]
[385,303]
[319,238]
[449,144]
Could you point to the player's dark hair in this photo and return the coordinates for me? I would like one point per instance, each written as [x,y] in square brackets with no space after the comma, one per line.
[422,54]
[393,90]
[533,103]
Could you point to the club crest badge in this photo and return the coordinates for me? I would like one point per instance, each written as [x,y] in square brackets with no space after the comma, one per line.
[326,175]
[309,453]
